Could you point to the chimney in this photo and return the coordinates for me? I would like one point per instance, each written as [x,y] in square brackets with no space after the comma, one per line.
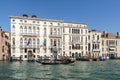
[34,16]
[0,28]
[118,34]
[25,15]
[105,34]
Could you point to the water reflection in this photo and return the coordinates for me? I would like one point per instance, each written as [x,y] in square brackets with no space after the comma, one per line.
[106,70]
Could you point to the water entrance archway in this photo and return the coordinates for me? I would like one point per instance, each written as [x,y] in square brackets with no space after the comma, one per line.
[30,55]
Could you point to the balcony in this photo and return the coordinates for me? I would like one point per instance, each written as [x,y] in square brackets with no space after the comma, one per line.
[75,43]
[96,49]
[55,36]
[98,41]
[29,34]
[94,41]
[112,45]
[55,47]
[29,46]
[112,49]
[12,46]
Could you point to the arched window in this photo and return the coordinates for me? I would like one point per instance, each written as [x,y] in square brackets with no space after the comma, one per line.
[25,29]
[69,38]
[21,29]
[86,39]
[58,31]
[86,31]
[25,41]
[33,29]
[97,37]
[13,28]
[3,49]
[30,30]
[13,41]
[38,42]
[81,31]
[81,38]
[38,30]
[21,41]
[45,31]
[93,37]
[51,31]
[55,31]
[55,42]
[34,42]
[44,43]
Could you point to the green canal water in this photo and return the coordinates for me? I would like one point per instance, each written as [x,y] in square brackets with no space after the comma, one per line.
[80,70]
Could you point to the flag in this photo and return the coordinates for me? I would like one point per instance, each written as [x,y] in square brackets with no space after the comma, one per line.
[28,42]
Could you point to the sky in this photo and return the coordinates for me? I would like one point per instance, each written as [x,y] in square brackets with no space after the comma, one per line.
[102,15]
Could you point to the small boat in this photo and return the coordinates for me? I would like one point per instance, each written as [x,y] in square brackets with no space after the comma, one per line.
[66,61]
[53,62]
[85,58]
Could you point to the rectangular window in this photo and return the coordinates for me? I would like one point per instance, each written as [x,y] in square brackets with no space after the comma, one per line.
[38,31]
[69,30]
[51,42]
[69,47]
[106,49]
[81,31]
[21,56]
[38,50]
[51,32]
[51,50]
[3,49]
[81,38]
[5,43]
[45,50]
[70,54]
[72,31]
[102,49]
[13,50]
[38,56]
[103,42]
[107,42]
[25,50]
[86,47]
[21,50]
[25,56]
[34,50]
[45,32]
[63,47]
[88,37]
[63,30]
[69,38]
[116,42]
[86,31]
[81,47]
[98,37]
[58,43]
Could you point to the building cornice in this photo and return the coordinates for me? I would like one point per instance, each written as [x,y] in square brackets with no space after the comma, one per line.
[39,19]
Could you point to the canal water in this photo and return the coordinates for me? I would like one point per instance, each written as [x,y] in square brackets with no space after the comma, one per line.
[80,70]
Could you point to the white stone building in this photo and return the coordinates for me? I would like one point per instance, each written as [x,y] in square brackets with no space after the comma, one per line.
[94,46]
[32,37]
[75,40]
